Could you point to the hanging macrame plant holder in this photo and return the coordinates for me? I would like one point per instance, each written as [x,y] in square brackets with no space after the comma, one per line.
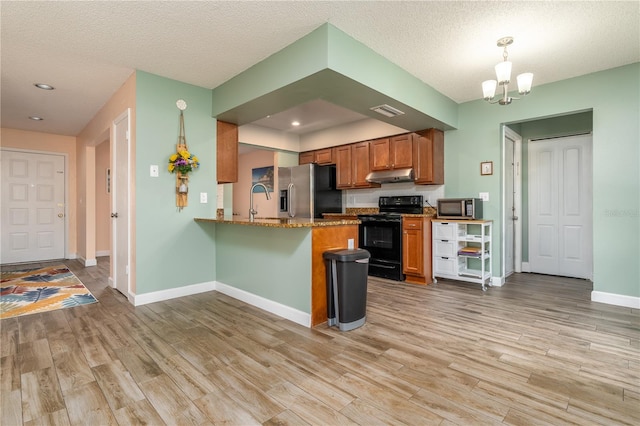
[182,180]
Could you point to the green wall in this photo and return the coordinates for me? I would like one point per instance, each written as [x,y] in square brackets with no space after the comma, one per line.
[331,65]
[614,97]
[171,249]
[274,263]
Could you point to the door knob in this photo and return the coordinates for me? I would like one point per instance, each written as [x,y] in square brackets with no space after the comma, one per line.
[114,215]
[60,215]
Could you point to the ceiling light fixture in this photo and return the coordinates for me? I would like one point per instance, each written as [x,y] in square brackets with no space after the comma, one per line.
[43,86]
[295,123]
[503,74]
[35,118]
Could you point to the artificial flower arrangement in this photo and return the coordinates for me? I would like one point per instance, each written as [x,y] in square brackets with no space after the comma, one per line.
[183,161]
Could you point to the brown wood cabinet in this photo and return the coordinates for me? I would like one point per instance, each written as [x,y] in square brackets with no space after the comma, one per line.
[428,157]
[324,156]
[320,156]
[392,153]
[416,249]
[353,166]
[226,152]
[306,157]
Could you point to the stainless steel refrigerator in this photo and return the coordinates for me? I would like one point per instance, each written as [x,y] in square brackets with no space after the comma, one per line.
[308,191]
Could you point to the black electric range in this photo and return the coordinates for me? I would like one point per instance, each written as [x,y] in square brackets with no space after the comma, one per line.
[381,234]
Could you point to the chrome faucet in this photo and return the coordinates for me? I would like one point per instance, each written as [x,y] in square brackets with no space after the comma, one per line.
[252,211]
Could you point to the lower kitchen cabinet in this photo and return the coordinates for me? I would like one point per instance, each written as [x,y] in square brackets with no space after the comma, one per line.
[416,249]
[462,250]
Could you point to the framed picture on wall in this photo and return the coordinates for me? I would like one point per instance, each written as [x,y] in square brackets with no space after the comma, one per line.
[262,175]
[486,168]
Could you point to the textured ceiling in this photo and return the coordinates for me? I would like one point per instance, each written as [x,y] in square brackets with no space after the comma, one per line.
[88,49]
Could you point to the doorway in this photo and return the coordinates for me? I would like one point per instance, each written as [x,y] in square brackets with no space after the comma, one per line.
[560,206]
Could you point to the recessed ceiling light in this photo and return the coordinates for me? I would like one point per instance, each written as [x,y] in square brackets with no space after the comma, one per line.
[43,86]
[295,123]
[35,118]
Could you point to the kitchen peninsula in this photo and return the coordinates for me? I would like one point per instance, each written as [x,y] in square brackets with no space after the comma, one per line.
[276,264]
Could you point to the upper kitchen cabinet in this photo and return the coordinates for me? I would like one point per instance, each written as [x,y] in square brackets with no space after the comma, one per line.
[428,157]
[353,166]
[306,157]
[227,152]
[320,156]
[392,153]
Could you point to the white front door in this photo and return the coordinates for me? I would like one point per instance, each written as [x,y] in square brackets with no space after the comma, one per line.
[120,204]
[33,207]
[560,207]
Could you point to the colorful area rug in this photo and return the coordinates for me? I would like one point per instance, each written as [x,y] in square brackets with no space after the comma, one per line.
[31,291]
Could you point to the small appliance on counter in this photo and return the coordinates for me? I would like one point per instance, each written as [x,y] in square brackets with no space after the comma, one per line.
[308,191]
[381,234]
[459,208]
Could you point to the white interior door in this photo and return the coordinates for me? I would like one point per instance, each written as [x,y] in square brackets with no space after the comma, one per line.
[512,203]
[560,207]
[33,207]
[120,204]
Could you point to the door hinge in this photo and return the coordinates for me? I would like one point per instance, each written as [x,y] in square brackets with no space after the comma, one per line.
[126,135]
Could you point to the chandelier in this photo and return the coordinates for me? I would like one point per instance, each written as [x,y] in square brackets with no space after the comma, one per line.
[503,75]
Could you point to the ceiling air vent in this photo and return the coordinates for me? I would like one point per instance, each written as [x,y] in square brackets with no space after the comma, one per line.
[386,110]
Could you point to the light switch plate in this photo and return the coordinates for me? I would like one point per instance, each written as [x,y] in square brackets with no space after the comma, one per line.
[350,243]
[203,198]
[484,196]
[153,170]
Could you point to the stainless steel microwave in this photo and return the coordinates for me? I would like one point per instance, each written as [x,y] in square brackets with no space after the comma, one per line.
[460,208]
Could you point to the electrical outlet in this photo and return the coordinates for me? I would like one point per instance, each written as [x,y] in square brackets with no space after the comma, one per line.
[484,196]
[153,170]
[350,244]
[203,198]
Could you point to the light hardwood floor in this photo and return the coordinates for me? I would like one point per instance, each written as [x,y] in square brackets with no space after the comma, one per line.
[535,351]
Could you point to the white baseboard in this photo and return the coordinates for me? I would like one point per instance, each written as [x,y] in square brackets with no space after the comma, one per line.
[172,293]
[275,308]
[497,281]
[103,253]
[526,267]
[88,262]
[111,283]
[71,256]
[615,299]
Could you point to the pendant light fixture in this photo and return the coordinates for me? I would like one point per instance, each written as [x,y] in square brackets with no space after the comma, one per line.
[503,78]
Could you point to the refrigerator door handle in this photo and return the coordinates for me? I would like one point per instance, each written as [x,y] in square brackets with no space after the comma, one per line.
[290,208]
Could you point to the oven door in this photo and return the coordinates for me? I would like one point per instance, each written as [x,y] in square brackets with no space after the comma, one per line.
[382,238]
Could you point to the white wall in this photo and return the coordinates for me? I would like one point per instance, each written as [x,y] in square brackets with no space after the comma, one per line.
[348,133]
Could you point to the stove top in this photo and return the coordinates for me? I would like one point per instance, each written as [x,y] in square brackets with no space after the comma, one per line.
[400,204]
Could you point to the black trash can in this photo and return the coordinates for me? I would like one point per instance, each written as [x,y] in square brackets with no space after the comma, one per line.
[347,272]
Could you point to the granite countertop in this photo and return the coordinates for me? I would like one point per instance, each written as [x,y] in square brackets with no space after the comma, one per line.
[279,223]
[350,211]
